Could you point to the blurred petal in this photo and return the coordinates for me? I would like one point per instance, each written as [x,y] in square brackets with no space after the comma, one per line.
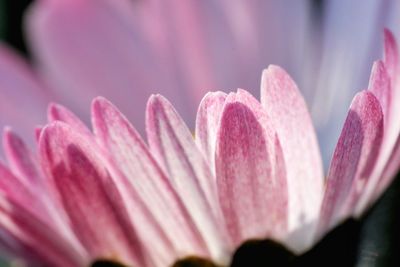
[191,47]
[88,194]
[207,122]
[345,64]
[68,39]
[175,149]
[250,172]
[354,160]
[285,106]
[23,99]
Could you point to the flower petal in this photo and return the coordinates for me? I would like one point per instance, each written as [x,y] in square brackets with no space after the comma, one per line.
[386,167]
[174,147]
[22,216]
[166,222]
[96,212]
[207,122]
[20,87]
[353,161]
[379,85]
[57,112]
[23,163]
[291,119]
[90,48]
[250,172]
[21,160]
[391,53]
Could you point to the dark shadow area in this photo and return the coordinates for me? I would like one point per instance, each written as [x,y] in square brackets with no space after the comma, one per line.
[12,20]
[338,248]
[380,232]
[106,263]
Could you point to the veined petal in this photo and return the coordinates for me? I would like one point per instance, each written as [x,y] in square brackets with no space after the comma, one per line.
[88,193]
[354,160]
[392,61]
[21,160]
[385,167]
[23,163]
[250,172]
[174,147]
[288,112]
[207,121]
[57,112]
[162,221]
[22,216]
[379,85]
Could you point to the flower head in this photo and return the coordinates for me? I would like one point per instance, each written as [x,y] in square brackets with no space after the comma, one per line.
[250,173]
[252,170]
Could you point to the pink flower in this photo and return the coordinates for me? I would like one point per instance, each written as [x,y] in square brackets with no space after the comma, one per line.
[253,170]
[125,50]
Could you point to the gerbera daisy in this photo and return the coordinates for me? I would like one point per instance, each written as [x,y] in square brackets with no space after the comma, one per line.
[251,171]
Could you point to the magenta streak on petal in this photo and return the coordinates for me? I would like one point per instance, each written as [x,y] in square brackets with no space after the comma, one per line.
[175,149]
[379,85]
[353,161]
[96,212]
[23,163]
[207,121]
[160,214]
[57,112]
[386,166]
[285,106]
[23,217]
[250,172]
[21,160]
[392,61]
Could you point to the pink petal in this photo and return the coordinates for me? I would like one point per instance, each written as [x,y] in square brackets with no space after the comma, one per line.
[23,99]
[23,163]
[391,55]
[56,112]
[163,219]
[285,106]
[387,164]
[96,212]
[21,216]
[192,47]
[175,149]
[250,172]
[379,85]
[353,161]
[21,160]
[391,169]
[392,140]
[207,121]
[90,48]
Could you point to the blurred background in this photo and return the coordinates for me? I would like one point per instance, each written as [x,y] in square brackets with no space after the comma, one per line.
[327,46]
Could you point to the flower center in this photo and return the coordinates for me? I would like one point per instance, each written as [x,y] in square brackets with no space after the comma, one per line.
[194,262]
[106,263]
[337,248]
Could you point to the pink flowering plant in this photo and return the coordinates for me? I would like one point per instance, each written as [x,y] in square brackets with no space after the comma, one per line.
[250,173]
